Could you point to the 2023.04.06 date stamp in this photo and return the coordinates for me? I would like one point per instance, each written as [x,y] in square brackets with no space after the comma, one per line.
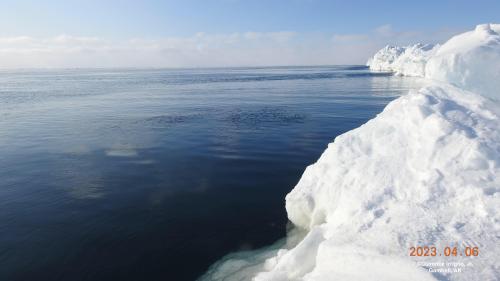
[432,251]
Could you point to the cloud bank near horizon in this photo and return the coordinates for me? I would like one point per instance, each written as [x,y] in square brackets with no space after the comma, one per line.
[206,50]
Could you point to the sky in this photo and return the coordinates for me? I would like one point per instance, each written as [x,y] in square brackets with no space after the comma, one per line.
[217,33]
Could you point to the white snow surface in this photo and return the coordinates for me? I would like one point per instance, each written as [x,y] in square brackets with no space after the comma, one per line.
[407,61]
[424,172]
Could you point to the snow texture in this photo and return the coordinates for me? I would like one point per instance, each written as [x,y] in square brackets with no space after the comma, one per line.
[407,61]
[424,172]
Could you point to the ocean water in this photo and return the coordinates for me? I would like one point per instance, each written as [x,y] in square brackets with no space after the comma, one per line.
[153,174]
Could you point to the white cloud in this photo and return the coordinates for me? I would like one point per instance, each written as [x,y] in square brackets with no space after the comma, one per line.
[67,39]
[15,40]
[384,30]
[202,49]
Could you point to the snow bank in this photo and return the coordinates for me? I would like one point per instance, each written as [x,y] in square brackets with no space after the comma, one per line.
[386,59]
[424,172]
[407,61]
[469,60]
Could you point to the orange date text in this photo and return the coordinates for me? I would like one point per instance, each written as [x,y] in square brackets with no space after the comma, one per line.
[431,251]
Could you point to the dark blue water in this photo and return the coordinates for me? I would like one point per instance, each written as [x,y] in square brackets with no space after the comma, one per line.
[156,174]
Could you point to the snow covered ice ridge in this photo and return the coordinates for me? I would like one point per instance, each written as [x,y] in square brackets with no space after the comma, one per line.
[424,172]
[469,60]
[407,61]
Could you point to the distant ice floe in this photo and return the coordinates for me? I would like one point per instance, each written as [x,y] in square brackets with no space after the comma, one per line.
[424,172]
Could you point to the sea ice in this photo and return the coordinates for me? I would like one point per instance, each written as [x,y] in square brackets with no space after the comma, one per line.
[407,61]
[469,60]
[424,172]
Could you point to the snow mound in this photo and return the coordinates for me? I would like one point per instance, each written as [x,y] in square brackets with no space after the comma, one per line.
[385,59]
[469,60]
[426,171]
[407,61]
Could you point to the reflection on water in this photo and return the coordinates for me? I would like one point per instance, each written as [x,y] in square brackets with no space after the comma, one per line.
[156,174]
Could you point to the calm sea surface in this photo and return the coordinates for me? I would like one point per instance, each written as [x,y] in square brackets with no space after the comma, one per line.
[156,174]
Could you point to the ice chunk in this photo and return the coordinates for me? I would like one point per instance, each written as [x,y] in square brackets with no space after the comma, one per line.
[407,61]
[429,162]
[470,60]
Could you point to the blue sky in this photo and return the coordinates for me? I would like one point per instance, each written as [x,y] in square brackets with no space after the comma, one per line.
[249,32]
